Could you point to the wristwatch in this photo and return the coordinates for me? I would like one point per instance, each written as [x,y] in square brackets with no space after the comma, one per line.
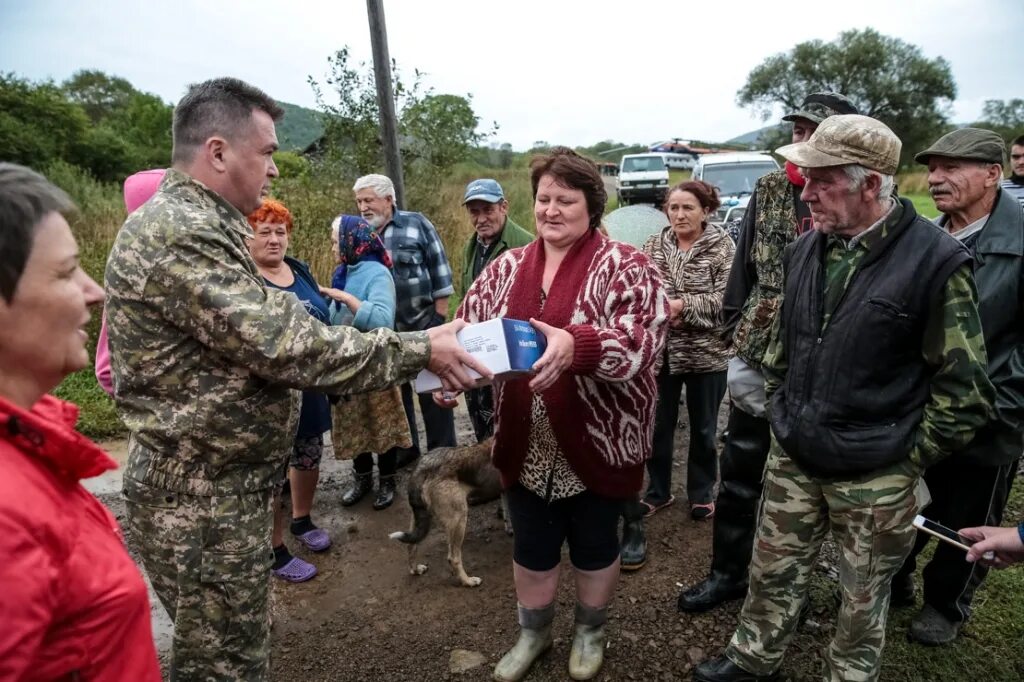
[1020,531]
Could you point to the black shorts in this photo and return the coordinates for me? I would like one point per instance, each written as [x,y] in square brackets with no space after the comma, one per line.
[590,522]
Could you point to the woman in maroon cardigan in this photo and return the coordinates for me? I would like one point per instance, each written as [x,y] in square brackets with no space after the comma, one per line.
[571,441]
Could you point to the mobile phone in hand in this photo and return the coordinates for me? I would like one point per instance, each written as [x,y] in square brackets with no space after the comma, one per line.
[942,533]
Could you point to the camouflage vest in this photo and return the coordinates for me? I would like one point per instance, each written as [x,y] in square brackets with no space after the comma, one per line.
[774,228]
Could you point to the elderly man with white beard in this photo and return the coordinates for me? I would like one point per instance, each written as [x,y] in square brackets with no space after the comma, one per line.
[423,283]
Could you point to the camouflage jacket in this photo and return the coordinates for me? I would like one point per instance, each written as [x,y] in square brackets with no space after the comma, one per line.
[961,394]
[206,359]
[767,229]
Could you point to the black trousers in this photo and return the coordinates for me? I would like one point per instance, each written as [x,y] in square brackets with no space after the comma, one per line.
[386,461]
[438,421]
[964,494]
[480,404]
[704,392]
[739,495]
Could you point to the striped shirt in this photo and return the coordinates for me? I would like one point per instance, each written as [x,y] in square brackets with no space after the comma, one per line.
[1016,190]
[422,273]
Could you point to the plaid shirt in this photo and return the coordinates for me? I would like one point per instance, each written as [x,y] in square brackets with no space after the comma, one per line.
[422,273]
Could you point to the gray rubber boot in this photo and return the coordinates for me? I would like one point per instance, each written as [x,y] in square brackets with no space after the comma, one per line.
[534,640]
[587,654]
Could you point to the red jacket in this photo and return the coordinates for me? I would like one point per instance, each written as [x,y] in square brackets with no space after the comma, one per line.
[71,599]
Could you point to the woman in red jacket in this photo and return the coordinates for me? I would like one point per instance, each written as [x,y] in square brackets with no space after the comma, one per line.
[73,604]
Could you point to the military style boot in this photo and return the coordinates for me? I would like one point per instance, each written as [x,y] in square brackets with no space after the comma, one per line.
[587,653]
[534,640]
[634,539]
[361,485]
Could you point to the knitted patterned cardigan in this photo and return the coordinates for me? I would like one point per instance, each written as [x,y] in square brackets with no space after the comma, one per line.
[601,409]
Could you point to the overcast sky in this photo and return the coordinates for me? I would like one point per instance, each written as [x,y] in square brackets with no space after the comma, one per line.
[565,72]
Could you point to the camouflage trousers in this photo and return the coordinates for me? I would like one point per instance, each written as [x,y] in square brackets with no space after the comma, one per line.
[870,519]
[209,561]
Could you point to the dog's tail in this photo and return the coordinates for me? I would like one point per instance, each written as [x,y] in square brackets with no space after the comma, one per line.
[421,518]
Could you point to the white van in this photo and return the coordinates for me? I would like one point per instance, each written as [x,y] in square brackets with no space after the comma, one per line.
[642,177]
[734,174]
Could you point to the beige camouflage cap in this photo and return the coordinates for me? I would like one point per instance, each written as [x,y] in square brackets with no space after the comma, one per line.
[846,139]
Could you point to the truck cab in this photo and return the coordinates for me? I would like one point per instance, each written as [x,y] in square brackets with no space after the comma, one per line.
[734,174]
[642,178]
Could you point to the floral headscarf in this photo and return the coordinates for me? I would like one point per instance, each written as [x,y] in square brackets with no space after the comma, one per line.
[357,242]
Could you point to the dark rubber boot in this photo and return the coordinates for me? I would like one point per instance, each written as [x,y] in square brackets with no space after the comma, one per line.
[633,555]
[361,485]
[385,493]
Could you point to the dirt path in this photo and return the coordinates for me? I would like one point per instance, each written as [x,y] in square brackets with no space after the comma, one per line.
[364,617]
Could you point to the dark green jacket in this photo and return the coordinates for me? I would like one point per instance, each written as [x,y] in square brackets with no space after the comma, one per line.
[512,237]
[999,273]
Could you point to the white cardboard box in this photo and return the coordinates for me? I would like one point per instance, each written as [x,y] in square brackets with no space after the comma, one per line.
[507,347]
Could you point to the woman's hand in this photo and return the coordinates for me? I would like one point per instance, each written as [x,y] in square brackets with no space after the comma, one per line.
[342,297]
[675,312]
[446,399]
[557,356]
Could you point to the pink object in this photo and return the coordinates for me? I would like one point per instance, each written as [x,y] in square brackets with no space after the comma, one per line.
[103,360]
[140,187]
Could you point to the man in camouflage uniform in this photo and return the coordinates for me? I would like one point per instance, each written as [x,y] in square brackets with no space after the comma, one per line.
[774,218]
[875,369]
[971,487]
[205,362]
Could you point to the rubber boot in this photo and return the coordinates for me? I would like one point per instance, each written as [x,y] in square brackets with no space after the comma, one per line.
[385,493]
[587,653]
[534,640]
[633,555]
[361,485]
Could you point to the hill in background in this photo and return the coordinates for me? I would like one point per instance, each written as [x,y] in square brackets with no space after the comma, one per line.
[299,128]
[757,138]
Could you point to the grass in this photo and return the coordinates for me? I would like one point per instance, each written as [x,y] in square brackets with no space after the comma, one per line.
[990,647]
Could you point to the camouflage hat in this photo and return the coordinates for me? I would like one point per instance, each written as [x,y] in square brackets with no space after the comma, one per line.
[967,143]
[818,106]
[846,139]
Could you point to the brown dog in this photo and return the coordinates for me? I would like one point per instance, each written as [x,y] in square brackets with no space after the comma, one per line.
[440,488]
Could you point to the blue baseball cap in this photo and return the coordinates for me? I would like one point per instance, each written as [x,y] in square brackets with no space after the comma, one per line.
[484,189]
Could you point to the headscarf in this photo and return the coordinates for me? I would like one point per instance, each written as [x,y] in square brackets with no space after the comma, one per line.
[357,242]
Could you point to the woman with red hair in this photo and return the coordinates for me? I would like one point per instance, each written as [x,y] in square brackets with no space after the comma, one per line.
[272,226]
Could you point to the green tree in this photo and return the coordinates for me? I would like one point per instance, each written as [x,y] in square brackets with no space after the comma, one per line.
[99,94]
[886,78]
[439,130]
[291,164]
[133,128]
[436,131]
[38,124]
[1005,117]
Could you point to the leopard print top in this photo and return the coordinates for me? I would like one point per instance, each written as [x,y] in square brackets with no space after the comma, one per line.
[546,473]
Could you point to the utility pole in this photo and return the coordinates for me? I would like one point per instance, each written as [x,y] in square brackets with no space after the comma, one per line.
[386,98]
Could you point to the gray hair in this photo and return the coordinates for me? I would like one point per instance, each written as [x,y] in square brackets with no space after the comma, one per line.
[381,184]
[222,106]
[26,197]
[857,174]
